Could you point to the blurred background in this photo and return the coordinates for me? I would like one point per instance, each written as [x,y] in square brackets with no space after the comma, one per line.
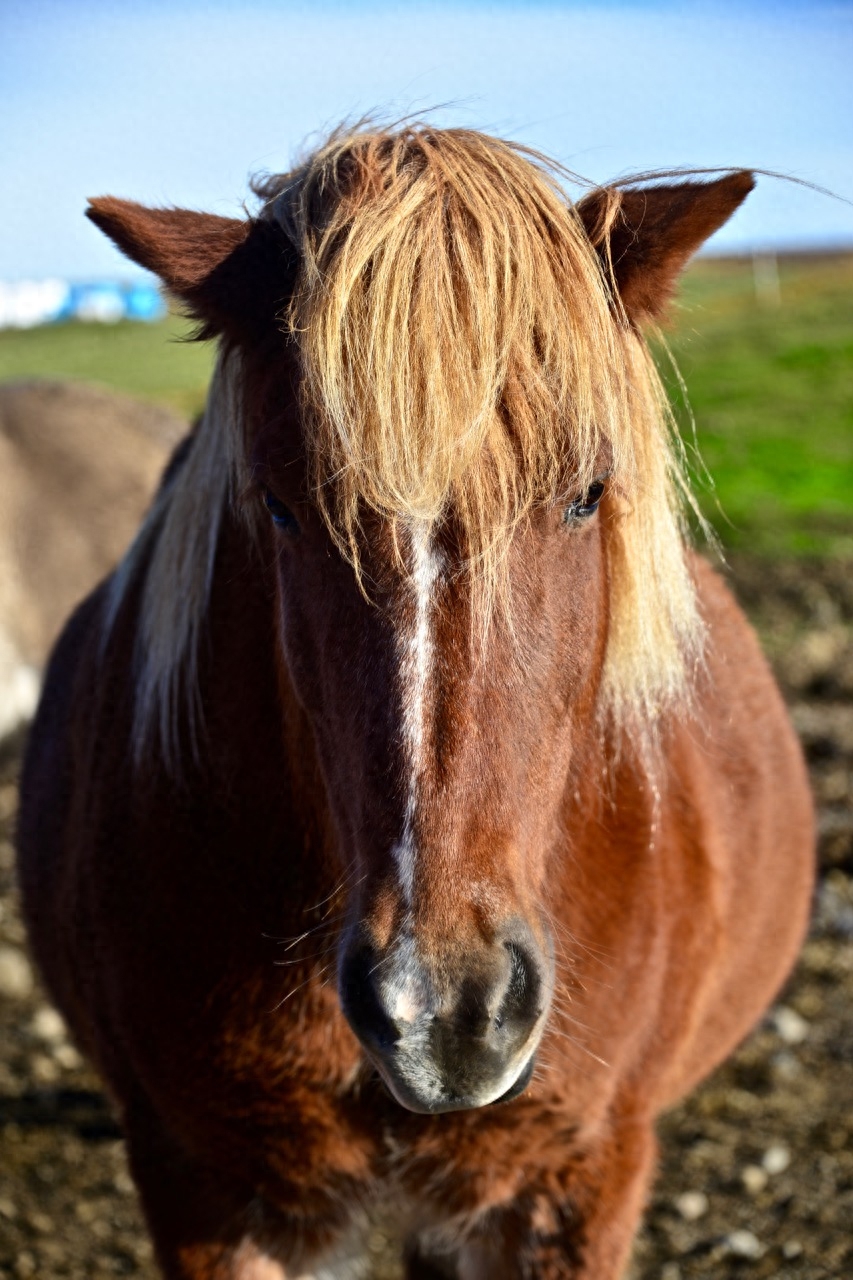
[181,102]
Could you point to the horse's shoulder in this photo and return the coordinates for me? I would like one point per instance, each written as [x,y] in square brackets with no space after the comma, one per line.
[75,650]
[735,761]
[716,597]
[735,663]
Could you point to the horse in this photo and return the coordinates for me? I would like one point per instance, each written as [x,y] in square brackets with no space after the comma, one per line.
[412,816]
[78,467]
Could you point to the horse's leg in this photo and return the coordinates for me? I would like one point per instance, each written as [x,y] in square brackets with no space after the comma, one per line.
[198,1221]
[586,1237]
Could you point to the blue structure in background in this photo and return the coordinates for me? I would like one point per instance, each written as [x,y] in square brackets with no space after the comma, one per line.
[28,303]
[144,302]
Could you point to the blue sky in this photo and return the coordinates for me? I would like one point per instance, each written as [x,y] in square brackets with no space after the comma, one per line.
[180,101]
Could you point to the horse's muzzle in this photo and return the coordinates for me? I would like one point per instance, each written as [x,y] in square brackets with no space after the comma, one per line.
[460,1042]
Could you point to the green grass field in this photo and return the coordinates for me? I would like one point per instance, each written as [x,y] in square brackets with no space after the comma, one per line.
[152,361]
[770,384]
[771,389]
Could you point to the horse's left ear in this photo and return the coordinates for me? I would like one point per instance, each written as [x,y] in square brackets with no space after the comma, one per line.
[646,234]
[234,274]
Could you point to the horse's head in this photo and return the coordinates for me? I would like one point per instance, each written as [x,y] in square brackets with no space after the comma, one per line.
[446,755]
[461,478]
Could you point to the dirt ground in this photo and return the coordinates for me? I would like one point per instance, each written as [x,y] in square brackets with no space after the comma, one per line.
[756,1175]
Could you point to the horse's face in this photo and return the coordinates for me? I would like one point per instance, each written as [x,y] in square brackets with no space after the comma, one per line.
[449,763]
[446,761]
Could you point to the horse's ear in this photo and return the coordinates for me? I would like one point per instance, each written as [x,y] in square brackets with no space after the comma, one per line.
[234,274]
[645,235]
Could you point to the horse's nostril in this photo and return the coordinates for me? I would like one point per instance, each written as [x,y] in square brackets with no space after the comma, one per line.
[521,997]
[361,1002]
[518,980]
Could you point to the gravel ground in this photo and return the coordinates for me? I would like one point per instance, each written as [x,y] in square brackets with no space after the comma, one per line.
[756,1173]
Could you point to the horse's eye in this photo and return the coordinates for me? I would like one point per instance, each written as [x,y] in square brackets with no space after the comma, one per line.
[583,507]
[282,516]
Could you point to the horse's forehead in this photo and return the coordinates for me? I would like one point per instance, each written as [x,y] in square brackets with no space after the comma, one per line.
[275,432]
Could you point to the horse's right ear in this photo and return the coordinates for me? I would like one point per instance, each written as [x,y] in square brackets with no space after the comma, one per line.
[235,275]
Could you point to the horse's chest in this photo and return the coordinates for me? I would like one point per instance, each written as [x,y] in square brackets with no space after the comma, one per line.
[372,1244]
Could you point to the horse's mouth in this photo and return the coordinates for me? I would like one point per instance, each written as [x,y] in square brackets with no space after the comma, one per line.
[515,1090]
[412,1100]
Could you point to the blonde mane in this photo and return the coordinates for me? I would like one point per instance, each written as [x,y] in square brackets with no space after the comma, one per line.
[460,352]
[176,550]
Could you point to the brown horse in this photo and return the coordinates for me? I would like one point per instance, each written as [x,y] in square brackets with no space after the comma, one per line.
[412,817]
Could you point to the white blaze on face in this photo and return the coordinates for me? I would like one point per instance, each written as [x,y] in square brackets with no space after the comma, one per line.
[406,991]
[415,648]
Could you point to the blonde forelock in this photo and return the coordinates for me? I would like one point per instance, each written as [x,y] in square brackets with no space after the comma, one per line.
[447,312]
[462,356]
[463,350]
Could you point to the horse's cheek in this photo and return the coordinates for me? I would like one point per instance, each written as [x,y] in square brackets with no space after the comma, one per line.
[304,630]
[575,609]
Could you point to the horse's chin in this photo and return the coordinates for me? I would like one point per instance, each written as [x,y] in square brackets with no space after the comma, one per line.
[521,1083]
[432,1104]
